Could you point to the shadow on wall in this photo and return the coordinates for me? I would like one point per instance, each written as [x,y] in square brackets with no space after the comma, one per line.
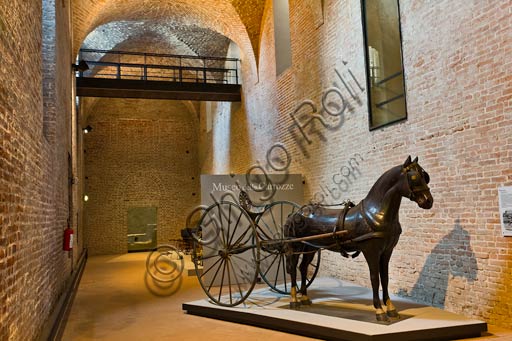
[452,256]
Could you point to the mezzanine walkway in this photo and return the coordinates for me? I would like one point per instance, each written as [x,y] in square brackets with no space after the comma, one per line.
[158,76]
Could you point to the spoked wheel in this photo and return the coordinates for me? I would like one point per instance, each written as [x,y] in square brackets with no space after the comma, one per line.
[226,254]
[270,227]
[165,263]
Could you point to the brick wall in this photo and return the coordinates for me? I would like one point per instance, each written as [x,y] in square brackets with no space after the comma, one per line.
[33,168]
[140,153]
[457,68]
[459,100]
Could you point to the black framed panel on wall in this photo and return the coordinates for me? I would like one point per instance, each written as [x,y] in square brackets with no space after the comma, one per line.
[384,66]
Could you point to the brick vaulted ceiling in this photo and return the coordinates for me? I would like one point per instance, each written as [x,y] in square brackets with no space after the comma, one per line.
[155,37]
[193,22]
[160,37]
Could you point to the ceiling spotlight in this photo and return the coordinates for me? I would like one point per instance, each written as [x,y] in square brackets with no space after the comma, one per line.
[87,129]
[86,198]
[82,66]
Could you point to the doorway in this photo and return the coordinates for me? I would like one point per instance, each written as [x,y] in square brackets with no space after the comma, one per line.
[142,228]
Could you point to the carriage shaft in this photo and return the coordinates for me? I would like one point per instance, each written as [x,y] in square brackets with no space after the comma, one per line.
[241,249]
[303,239]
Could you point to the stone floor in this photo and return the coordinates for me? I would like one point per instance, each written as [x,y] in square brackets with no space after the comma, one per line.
[116,300]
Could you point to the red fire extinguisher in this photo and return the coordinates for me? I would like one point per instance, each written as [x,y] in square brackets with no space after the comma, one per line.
[68,239]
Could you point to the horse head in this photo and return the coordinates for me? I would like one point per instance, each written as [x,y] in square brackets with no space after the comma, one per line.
[416,187]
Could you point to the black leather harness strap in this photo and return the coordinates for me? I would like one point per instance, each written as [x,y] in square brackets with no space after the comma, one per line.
[340,225]
[338,242]
[378,234]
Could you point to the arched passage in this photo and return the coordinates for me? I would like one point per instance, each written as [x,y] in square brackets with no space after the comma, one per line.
[136,36]
[221,16]
[140,153]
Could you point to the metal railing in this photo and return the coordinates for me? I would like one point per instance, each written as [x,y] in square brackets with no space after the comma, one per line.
[159,67]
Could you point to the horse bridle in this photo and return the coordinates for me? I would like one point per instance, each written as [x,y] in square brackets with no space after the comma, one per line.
[414,188]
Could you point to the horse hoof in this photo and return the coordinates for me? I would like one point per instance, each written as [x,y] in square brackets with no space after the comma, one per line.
[382,317]
[294,305]
[393,314]
[306,301]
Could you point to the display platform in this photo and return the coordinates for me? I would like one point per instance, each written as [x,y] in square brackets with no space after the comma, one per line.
[341,311]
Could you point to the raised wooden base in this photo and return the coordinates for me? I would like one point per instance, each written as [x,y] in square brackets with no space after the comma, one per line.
[342,311]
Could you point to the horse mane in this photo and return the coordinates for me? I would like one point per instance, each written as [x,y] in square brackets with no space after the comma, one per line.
[387,180]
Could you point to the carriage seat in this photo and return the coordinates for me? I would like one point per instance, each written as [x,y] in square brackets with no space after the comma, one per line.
[247,204]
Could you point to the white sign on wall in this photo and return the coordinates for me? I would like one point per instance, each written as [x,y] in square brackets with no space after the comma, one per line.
[505,201]
[262,190]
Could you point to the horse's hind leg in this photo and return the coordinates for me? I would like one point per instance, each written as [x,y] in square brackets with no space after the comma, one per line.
[384,278]
[307,258]
[291,268]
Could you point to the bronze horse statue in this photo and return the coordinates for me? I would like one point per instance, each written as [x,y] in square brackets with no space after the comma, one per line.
[372,227]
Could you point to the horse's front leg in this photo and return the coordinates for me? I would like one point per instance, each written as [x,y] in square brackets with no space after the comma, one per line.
[384,279]
[372,258]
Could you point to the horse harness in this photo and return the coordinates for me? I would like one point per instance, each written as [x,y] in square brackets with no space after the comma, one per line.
[415,188]
[340,226]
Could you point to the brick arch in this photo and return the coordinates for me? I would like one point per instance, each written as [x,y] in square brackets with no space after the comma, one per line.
[142,158]
[218,15]
[128,194]
[92,103]
[139,37]
[162,37]
[166,45]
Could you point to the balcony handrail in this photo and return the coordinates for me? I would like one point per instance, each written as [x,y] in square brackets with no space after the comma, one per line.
[177,64]
[157,66]
[149,54]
